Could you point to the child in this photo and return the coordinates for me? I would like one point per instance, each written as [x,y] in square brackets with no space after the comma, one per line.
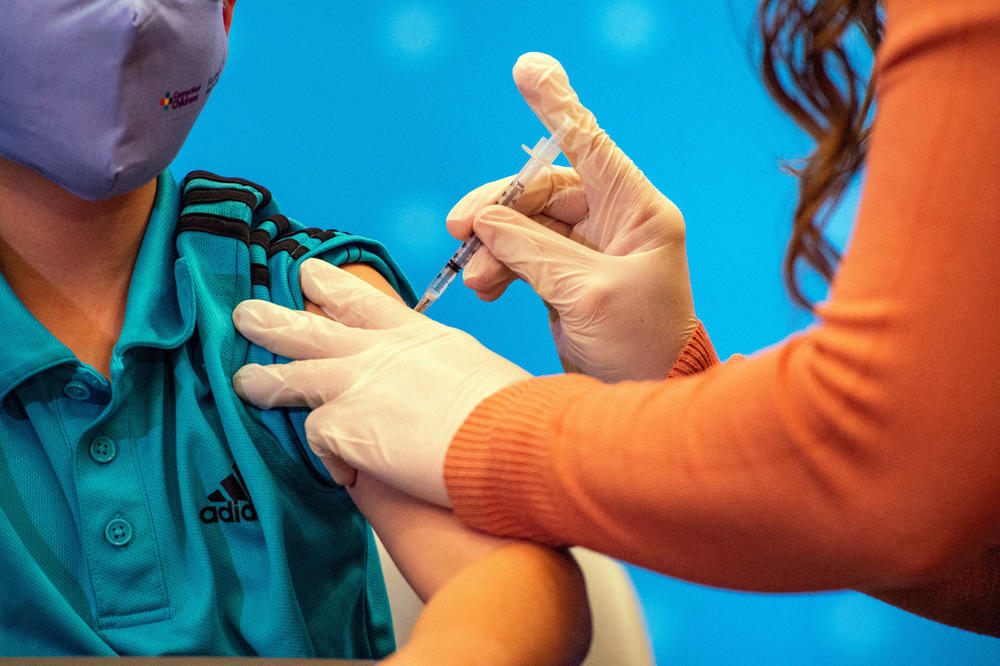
[145,509]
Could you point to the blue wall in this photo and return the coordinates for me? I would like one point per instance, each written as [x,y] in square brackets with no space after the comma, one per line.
[377,117]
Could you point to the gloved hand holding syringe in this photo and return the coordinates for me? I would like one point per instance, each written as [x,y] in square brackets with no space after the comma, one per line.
[542,155]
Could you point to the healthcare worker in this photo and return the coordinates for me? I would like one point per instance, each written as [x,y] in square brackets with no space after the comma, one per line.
[862,453]
[144,508]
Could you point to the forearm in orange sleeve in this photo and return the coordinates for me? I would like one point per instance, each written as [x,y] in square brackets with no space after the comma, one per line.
[967,597]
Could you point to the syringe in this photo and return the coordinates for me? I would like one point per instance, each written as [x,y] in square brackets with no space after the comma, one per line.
[542,155]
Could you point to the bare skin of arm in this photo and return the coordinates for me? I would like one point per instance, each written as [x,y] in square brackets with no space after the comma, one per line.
[489,600]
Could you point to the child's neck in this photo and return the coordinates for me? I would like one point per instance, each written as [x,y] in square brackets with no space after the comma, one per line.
[69,260]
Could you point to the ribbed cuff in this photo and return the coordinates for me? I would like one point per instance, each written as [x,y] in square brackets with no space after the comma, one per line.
[698,354]
[498,470]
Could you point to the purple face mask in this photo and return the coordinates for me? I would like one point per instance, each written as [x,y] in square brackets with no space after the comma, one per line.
[99,95]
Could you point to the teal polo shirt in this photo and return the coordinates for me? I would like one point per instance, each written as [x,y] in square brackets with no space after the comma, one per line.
[156,513]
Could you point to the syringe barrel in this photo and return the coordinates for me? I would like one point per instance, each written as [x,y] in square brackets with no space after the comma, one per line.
[542,155]
[441,281]
[466,250]
[531,169]
[512,192]
[454,265]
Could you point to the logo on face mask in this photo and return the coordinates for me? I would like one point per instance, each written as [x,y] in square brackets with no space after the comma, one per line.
[212,81]
[180,98]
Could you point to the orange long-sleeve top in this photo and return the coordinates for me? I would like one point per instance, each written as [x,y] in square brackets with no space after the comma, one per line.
[863,452]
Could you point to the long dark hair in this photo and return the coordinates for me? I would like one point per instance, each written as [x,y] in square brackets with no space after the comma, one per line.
[808,70]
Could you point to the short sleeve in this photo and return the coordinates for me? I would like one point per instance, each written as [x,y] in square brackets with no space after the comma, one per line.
[281,246]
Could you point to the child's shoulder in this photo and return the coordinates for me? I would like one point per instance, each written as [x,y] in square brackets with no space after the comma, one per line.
[215,206]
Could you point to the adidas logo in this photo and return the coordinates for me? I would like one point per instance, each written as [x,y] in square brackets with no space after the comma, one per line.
[237,508]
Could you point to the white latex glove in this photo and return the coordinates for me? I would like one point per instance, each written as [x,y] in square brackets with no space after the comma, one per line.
[388,387]
[600,245]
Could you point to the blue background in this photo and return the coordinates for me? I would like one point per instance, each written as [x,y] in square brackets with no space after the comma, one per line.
[378,117]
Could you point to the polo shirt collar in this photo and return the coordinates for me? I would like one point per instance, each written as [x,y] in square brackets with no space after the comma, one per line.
[26,347]
[159,312]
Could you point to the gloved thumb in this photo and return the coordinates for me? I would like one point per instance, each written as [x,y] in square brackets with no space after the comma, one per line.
[555,266]
[349,299]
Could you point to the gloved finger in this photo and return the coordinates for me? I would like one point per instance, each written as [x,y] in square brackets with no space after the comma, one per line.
[417,471]
[543,83]
[567,196]
[294,384]
[493,292]
[327,440]
[557,192]
[488,276]
[349,299]
[339,470]
[459,218]
[293,333]
[484,273]
[543,258]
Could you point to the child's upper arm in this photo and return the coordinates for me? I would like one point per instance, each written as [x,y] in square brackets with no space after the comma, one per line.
[369,275]
[485,589]
[426,542]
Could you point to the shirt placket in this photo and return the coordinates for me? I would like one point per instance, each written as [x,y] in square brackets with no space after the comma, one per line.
[116,522]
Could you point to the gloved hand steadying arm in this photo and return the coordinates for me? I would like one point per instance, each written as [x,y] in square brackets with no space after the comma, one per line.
[600,245]
[388,387]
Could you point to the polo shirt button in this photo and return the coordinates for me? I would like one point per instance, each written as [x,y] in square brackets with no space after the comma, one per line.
[76,390]
[118,532]
[103,449]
